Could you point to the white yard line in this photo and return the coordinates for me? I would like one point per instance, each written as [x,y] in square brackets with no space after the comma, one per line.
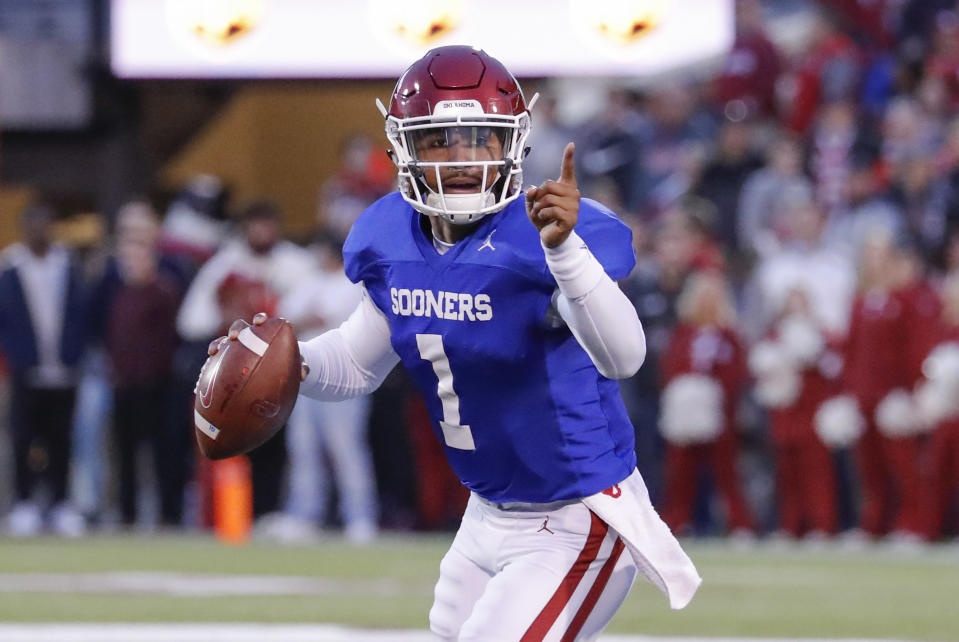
[213,585]
[194,584]
[276,633]
[222,585]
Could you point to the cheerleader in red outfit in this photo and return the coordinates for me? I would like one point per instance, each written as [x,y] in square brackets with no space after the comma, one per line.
[937,402]
[879,370]
[795,372]
[923,309]
[704,372]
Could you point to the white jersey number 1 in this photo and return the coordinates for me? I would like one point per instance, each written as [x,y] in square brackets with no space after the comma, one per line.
[455,435]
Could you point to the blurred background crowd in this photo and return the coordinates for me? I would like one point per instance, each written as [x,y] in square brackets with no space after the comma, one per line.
[795,211]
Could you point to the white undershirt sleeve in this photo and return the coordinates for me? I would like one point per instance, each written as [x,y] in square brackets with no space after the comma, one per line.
[351,360]
[600,316]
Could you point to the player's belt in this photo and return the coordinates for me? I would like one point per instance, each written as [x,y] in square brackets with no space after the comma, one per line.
[528,507]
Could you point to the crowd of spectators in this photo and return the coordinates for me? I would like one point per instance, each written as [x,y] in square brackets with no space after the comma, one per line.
[796,224]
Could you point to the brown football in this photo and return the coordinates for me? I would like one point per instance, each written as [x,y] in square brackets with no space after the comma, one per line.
[246,391]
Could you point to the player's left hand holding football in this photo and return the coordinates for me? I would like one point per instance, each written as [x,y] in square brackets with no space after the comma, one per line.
[553,207]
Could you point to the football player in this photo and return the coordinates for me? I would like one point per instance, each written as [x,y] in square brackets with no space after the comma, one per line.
[515,333]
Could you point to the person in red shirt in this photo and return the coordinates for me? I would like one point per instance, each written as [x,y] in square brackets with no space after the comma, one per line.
[140,340]
[923,309]
[746,86]
[796,370]
[704,349]
[829,71]
[877,363]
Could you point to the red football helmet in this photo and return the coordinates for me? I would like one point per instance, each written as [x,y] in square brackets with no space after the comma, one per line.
[458,108]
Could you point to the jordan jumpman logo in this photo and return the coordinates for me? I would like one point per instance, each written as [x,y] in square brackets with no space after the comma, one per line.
[544,528]
[488,242]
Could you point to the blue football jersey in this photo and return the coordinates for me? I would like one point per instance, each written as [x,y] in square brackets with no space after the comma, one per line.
[522,412]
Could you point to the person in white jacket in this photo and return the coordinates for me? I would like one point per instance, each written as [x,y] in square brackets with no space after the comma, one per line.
[250,273]
[320,431]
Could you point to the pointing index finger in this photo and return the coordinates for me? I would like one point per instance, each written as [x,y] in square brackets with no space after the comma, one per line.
[568,172]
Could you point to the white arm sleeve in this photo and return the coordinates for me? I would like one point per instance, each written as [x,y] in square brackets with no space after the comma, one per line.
[351,360]
[597,312]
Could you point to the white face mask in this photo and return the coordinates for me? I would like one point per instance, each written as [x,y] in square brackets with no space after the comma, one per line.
[466,121]
[461,209]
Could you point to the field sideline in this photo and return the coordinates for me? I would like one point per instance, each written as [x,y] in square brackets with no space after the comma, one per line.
[764,592]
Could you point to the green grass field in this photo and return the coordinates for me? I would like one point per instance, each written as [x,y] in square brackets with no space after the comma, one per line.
[762,592]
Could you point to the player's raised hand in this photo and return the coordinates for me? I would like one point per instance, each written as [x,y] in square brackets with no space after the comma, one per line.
[553,207]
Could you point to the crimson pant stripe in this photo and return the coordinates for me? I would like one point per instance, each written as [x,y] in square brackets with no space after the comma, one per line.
[593,596]
[544,621]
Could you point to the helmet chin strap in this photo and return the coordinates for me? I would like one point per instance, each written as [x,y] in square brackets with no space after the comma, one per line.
[460,209]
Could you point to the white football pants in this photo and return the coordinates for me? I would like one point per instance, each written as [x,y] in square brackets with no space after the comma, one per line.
[514,575]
